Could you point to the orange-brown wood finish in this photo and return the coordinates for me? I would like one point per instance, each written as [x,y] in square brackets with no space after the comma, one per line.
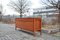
[30,24]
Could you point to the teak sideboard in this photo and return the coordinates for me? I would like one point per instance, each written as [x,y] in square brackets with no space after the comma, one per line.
[29,24]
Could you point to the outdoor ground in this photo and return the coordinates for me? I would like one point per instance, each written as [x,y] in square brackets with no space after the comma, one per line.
[8,32]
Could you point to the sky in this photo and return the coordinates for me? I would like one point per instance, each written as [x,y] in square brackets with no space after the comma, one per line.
[8,11]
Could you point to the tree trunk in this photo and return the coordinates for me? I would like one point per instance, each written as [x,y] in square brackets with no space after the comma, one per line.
[59,17]
[0,16]
[59,12]
[59,20]
[21,14]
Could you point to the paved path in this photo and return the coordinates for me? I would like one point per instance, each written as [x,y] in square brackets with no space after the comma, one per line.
[8,32]
[6,27]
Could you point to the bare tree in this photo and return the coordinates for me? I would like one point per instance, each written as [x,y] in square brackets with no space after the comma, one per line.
[53,4]
[21,6]
[0,8]
[1,12]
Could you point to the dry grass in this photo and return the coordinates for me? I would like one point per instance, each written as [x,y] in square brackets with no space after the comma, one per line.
[8,21]
[50,26]
[57,34]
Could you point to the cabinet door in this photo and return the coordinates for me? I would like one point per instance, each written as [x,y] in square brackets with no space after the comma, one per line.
[37,24]
[18,23]
[27,24]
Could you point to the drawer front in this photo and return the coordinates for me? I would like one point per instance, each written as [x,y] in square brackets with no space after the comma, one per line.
[37,24]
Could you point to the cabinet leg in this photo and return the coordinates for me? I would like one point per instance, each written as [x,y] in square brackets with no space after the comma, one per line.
[15,28]
[40,33]
[34,34]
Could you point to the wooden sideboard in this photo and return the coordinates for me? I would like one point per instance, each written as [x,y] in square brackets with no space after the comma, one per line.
[29,24]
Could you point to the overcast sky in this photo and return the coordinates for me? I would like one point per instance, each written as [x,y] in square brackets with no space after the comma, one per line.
[7,10]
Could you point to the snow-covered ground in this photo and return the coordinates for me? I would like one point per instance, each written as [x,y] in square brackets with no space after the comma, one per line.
[6,27]
[8,32]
